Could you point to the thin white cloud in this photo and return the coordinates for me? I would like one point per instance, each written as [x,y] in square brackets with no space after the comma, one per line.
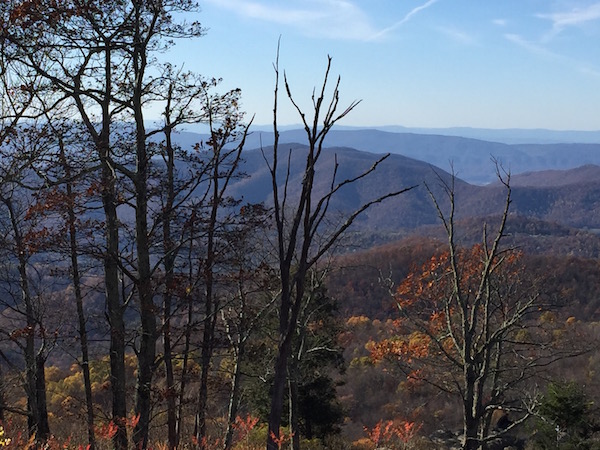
[499,22]
[531,46]
[333,19]
[404,20]
[575,17]
[542,51]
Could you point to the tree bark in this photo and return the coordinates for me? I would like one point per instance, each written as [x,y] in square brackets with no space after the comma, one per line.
[43,426]
[210,303]
[115,315]
[234,398]
[73,250]
[35,388]
[147,350]
[85,359]
[293,400]
[169,267]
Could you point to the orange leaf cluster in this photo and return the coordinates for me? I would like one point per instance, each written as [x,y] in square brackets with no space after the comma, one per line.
[385,432]
[415,345]
[280,441]
[244,426]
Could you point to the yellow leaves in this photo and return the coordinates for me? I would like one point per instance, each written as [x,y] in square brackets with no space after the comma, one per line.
[522,335]
[4,441]
[547,317]
[414,346]
[448,346]
[359,362]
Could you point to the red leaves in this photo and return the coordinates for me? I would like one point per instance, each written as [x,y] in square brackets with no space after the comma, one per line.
[281,440]
[434,300]
[29,13]
[385,433]
[37,240]
[243,427]
[27,331]
[48,201]
[108,430]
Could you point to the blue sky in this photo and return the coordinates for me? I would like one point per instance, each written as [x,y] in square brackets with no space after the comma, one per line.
[416,63]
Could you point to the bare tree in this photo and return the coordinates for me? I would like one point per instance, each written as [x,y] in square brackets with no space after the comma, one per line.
[61,203]
[224,120]
[301,238]
[249,301]
[22,238]
[470,327]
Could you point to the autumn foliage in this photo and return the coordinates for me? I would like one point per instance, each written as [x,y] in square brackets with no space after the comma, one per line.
[393,434]
[434,304]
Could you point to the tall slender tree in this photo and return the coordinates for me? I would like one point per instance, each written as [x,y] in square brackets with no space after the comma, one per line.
[301,237]
[23,237]
[97,55]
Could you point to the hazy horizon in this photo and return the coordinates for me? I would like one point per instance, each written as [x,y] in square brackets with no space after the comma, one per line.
[419,63]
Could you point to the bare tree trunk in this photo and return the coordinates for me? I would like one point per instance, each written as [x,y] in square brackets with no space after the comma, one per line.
[85,358]
[184,368]
[298,223]
[172,440]
[293,401]
[210,312]
[278,393]
[187,335]
[43,426]
[115,307]
[147,350]
[169,266]
[206,356]
[35,388]
[234,398]
[73,252]
[470,422]
[114,304]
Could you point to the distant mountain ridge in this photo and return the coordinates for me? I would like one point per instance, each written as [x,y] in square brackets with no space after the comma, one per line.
[507,135]
[470,159]
[568,198]
[501,135]
[587,174]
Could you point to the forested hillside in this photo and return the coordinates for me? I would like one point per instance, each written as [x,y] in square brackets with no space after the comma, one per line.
[219,295]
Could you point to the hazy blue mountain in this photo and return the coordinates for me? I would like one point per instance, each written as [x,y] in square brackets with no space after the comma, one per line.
[568,198]
[503,135]
[507,135]
[470,159]
[396,173]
